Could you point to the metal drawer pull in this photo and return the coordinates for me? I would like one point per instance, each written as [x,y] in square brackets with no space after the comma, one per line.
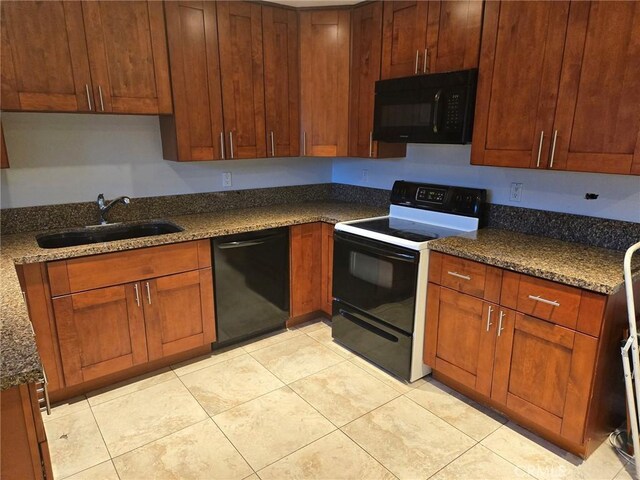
[273,145]
[135,286]
[148,293]
[425,67]
[538,298]
[500,327]
[86,88]
[231,144]
[304,144]
[459,275]
[222,145]
[540,148]
[489,322]
[553,148]
[417,60]
[101,102]
[370,144]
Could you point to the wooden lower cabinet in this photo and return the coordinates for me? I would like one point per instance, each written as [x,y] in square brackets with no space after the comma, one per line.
[306,268]
[327,268]
[25,452]
[565,383]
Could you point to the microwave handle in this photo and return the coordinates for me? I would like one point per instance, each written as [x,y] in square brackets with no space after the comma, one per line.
[436,109]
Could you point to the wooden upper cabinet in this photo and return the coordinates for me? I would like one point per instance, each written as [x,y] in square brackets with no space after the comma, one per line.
[429,37]
[453,35]
[597,118]
[4,163]
[281,81]
[44,59]
[366,50]
[195,131]
[241,62]
[178,312]
[128,54]
[520,61]
[100,332]
[404,38]
[324,65]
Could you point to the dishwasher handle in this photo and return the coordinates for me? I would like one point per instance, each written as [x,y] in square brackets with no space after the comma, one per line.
[247,243]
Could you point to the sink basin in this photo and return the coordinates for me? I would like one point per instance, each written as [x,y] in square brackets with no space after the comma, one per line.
[105,233]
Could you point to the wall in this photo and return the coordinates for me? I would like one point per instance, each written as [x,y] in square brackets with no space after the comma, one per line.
[619,196]
[63,158]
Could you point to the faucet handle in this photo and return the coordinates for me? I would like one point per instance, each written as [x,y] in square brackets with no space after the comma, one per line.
[100,200]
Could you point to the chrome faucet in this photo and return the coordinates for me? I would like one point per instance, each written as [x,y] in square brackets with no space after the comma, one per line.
[104,209]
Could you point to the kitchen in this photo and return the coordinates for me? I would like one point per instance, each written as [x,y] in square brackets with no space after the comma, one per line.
[239,315]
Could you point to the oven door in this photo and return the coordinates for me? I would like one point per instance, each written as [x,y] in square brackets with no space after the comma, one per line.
[377,278]
[384,346]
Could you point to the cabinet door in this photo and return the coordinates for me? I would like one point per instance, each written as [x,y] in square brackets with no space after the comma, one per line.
[404,38]
[281,78]
[460,337]
[100,332]
[327,268]
[241,62]
[597,120]
[45,66]
[179,312]
[306,268]
[324,64]
[453,35]
[4,162]
[543,372]
[195,131]
[128,53]
[521,54]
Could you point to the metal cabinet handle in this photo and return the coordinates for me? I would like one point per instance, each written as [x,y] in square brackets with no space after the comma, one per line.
[538,298]
[459,275]
[553,148]
[222,145]
[304,143]
[489,322]
[148,293]
[540,148]
[43,403]
[101,102]
[273,145]
[425,67]
[231,144]
[135,286]
[370,144]
[86,89]
[417,60]
[500,327]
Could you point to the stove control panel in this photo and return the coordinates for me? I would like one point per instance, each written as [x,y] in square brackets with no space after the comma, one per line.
[440,198]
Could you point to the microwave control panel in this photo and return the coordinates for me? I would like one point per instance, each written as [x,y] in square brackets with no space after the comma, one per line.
[453,118]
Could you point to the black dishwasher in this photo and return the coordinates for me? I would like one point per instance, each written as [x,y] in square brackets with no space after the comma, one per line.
[251,278]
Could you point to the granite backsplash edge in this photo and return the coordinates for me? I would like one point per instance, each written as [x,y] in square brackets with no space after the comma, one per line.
[594,231]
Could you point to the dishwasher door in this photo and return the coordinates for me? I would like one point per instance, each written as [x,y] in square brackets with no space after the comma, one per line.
[251,278]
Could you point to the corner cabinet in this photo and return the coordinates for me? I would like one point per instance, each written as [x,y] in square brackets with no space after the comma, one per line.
[324,82]
[573,103]
[106,57]
[430,37]
[306,268]
[543,353]
[118,310]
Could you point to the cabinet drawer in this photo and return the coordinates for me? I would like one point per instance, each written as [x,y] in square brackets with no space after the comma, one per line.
[465,276]
[543,299]
[97,271]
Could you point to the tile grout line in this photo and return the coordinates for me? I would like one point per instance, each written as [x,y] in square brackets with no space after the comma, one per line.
[103,440]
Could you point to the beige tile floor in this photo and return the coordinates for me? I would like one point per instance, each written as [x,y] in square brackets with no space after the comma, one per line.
[297,405]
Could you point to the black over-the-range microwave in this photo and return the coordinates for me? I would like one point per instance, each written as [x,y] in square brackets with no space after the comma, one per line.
[432,108]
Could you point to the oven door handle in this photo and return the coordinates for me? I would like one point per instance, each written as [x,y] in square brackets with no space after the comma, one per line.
[403,257]
[367,326]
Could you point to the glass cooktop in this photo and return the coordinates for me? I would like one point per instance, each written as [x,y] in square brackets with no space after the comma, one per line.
[407,229]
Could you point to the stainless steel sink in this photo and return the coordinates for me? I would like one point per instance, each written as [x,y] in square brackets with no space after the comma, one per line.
[106,233]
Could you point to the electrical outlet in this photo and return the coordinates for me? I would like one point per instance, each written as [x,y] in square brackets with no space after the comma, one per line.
[365,176]
[516,192]
[226,179]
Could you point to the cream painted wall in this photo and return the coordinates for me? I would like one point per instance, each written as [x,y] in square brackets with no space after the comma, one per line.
[619,195]
[61,158]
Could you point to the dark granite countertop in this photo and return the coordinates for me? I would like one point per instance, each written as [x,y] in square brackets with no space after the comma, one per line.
[19,359]
[592,268]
